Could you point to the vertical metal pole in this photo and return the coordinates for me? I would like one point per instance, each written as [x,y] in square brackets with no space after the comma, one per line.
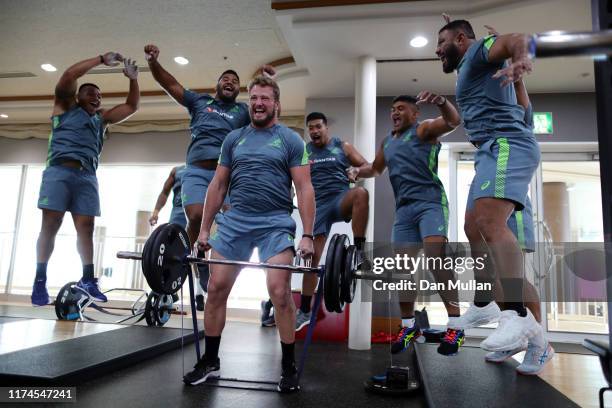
[18,214]
[601,11]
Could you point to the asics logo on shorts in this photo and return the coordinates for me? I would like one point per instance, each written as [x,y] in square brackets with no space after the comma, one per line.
[485,185]
[44,201]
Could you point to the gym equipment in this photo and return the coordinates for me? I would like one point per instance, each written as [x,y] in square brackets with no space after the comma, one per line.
[396,380]
[72,301]
[166,258]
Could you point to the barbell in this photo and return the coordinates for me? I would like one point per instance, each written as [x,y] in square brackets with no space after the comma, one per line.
[166,257]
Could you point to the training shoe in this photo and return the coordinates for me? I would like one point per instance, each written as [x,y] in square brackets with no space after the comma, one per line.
[40,296]
[91,287]
[199,301]
[288,381]
[266,308]
[302,320]
[404,337]
[535,359]
[363,263]
[501,356]
[511,332]
[478,316]
[202,371]
[452,340]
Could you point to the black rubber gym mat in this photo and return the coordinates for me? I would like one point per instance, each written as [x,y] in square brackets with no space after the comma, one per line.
[467,380]
[83,358]
[333,377]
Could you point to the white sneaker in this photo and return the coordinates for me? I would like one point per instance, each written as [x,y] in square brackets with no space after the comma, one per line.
[478,316]
[535,359]
[501,356]
[512,331]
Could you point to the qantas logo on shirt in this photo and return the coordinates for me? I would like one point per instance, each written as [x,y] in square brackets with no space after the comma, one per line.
[323,160]
[220,113]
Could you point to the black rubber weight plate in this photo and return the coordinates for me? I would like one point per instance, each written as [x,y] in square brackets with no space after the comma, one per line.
[329,271]
[339,263]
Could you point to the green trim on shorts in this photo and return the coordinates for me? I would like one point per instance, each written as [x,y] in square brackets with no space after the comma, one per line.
[502,165]
[54,124]
[443,200]
[304,155]
[520,228]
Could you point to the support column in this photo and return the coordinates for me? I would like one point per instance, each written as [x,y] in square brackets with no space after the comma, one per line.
[602,19]
[360,321]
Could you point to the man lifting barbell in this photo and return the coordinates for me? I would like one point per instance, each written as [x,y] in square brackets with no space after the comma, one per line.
[258,163]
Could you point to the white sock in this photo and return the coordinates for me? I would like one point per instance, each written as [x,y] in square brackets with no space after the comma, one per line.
[198,288]
[539,339]
[408,322]
[453,323]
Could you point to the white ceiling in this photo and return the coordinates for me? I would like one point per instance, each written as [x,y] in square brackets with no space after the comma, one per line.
[329,46]
[325,43]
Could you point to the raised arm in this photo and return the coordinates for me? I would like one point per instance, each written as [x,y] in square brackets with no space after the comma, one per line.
[162,198]
[522,97]
[123,111]
[515,48]
[448,120]
[66,87]
[354,157]
[163,77]
[367,170]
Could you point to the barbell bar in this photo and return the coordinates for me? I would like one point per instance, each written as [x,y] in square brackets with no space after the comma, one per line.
[211,261]
[166,258]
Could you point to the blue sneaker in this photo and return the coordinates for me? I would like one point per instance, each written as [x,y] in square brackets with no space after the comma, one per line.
[91,287]
[40,296]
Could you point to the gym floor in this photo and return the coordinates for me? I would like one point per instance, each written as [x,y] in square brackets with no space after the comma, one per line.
[333,374]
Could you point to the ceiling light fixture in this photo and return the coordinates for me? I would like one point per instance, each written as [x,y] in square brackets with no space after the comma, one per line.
[48,67]
[181,60]
[3,115]
[418,42]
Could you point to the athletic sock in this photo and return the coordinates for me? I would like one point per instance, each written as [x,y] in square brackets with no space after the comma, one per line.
[359,243]
[288,361]
[452,322]
[88,272]
[408,321]
[41,271]
[305,303]
[513,290]
[484,297]
[211,348]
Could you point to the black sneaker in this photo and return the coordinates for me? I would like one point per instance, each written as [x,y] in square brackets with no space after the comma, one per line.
[404,337]
[452,340]
[202,371]
[200,302]
[288,381]
[266,308]
[363,263]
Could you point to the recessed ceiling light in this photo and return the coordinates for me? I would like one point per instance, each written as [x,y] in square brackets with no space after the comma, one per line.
[48,67]
[181,60]
[418,42]
[3,115]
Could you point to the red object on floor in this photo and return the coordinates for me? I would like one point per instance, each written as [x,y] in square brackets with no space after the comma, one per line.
[382,337]
[330,326]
